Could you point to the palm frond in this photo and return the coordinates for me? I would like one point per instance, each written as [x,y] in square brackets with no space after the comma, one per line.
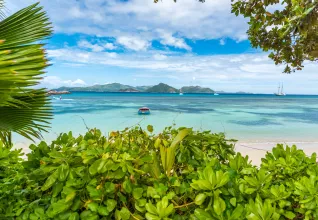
[23,110]
[2,15]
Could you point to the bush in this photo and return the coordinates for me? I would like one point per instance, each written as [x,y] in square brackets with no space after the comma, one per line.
[134,174]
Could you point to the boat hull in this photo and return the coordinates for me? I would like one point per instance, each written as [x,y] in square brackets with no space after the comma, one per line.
[143,112]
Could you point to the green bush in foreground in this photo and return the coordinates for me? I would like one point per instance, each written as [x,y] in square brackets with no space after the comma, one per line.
[134,174]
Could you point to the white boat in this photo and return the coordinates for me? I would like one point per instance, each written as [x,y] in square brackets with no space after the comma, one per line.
[180,92]
[280,91]
[216,93]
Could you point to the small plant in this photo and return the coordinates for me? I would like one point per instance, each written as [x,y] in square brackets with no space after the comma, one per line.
[136,174]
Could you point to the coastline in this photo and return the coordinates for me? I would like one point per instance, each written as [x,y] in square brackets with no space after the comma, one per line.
[257,150]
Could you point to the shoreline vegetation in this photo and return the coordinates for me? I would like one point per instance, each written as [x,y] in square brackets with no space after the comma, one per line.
[137,174]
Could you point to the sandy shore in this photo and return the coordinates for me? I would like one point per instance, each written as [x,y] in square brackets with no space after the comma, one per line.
[255,150]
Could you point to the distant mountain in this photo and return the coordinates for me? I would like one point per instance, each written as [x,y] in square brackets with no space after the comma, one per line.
[112,87]
[196,89]
[117,87]
[162,88]
[142,88]
[129,90]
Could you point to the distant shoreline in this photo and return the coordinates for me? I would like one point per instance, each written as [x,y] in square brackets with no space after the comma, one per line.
[211,94]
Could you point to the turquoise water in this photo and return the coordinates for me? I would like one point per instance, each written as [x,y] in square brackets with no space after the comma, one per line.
[243,117]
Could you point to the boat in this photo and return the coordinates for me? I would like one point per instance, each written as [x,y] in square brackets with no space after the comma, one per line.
[144,111]
[216,93]
[280,91]
[180,92]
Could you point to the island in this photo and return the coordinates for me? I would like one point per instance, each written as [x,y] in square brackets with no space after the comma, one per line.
[54,92]
[117,87]
[195,89]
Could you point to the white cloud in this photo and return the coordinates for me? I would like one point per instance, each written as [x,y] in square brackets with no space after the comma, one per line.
[98,47]
[112,18]
[168,39]
[133,43]
[159,57]
[86,44]
[55,81]
[219,67]
[109,46]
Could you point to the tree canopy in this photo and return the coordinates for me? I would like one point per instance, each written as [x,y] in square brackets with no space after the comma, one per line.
[288,29]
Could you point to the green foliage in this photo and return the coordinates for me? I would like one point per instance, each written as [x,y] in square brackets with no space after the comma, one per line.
[133,174]
[290,31]
[23,110]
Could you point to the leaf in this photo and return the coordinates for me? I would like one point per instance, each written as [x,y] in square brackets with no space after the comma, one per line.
[233,201]
[124,213]
[152,217]
[199,199]
[24,110]
[70,196]
[150,128]
[111,204]
[63,171]
[202,215]
[218,205]
[236,214]
[102,210]
[88,215]
[127,186]
[93,206]
[50,180]
[74,216]
[137,193]
[97,166]
[57,188]
[151,209]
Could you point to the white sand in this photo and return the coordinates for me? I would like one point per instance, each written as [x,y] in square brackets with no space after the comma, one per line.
[256,151]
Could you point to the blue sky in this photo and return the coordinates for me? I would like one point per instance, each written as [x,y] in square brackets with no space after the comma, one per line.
[137,42]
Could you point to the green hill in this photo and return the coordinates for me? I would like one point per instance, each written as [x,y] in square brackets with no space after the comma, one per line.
[112,87]
[162,88]
[196,89]
[117,87]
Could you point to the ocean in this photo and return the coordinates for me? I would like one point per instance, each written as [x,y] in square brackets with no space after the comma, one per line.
[245,117]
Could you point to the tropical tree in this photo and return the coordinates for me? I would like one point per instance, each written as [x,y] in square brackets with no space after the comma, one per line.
[286,28]
[23,109]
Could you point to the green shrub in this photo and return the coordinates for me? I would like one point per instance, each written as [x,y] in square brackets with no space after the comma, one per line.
[135,174]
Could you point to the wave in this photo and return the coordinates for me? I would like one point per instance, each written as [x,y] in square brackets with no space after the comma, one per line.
[62,99]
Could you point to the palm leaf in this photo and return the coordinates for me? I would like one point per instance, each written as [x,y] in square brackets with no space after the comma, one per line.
[2,15]
[23,110]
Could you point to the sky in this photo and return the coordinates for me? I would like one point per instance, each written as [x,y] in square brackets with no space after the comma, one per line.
[137,42]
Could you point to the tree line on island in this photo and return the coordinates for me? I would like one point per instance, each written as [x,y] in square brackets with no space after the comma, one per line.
[117,87]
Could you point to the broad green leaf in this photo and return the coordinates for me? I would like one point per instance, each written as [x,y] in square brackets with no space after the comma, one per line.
[102,210]
[218,205]
[151,209]
[202,215]
[127,186]
[93,206]
[200,198]
[111,204]
[137,193]
[74,216]
[50,181]
[63,171]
